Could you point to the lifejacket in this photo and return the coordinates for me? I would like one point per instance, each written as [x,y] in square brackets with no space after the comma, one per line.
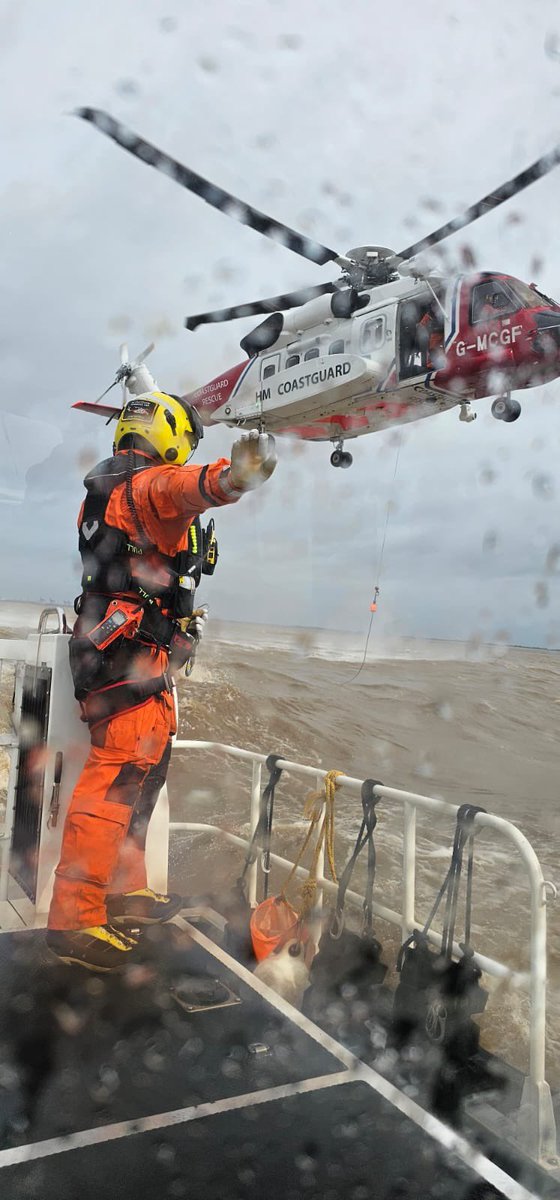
[116,567]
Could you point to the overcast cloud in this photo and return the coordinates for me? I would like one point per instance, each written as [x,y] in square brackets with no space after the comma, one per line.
[357,123]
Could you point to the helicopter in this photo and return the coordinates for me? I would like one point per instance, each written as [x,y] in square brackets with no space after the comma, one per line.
[386,343]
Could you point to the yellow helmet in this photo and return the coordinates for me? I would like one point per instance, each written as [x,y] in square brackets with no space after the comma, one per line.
[160,424]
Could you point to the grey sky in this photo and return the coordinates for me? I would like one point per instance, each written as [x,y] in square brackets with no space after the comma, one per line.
[348,123]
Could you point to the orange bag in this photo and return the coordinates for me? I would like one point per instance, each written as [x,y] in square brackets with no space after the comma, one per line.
[270,922]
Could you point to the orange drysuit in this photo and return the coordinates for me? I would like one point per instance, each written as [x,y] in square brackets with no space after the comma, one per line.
[105,829]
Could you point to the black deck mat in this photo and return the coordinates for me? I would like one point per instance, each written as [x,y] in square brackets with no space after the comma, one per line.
[344,1143]
[80,1050]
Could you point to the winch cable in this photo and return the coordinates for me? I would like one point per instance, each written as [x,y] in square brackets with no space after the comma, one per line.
[365,837]
[379,565]
[263,829]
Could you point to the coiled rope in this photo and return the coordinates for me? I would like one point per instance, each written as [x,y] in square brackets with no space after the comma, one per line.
[318,805]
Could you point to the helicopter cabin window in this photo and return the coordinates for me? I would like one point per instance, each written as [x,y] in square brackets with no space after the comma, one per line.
[269,366]
[491,300]
[421,333]
[312,353]
[292,360]
[337,347]
[372,335]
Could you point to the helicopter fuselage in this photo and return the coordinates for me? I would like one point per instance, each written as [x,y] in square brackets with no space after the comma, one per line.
[416,348]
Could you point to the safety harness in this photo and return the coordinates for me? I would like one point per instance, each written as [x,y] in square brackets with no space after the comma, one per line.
[234,904]
[436,991]
[118,568]
[348,971]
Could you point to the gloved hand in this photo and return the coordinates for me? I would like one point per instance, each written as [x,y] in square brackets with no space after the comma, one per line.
[253,459]
[195,625]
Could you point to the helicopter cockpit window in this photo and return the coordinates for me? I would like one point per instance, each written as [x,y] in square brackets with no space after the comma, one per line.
[312,353]
[530,297]
[337,347]
[372,335]
[490,300]
[292,360]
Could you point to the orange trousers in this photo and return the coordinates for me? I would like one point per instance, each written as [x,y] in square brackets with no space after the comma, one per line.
[105,830]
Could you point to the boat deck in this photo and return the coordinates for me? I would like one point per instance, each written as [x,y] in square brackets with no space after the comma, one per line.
[111,1088]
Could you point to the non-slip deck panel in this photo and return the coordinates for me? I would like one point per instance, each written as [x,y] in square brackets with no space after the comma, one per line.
[92,1049]
[81,1052]
[342,1143]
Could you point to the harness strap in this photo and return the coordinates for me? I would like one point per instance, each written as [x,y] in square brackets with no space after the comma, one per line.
[263,829]
[365,837]
[99,706]
[464,833]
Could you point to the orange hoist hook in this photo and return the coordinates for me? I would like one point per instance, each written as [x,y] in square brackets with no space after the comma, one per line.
[373,605]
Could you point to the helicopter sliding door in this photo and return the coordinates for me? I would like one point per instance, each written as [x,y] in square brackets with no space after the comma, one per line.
[420,335]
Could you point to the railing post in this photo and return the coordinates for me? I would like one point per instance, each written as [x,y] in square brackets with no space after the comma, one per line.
[409,870]
[254,818]
[536,1126]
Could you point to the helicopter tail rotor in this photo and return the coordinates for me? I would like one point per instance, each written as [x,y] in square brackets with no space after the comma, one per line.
[134,376]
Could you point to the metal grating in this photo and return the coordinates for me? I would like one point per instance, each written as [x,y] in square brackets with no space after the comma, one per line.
[30,778]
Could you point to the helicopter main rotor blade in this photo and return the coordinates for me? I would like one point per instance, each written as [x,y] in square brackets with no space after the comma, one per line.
[513,186]
[270,305]
[216,196]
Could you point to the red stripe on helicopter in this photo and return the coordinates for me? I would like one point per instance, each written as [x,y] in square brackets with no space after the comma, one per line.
[347,422]
[212,395]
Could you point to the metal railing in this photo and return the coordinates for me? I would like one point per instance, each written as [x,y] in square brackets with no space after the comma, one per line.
[536,1123]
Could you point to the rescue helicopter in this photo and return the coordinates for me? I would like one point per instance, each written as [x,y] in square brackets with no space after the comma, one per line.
[384,344]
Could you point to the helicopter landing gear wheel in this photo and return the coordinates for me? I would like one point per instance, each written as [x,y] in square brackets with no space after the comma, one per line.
[341,458]
[465,413]
[506,409]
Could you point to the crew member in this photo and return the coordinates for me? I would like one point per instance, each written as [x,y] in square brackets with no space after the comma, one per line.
[493,303]
[429,336]
[134,629]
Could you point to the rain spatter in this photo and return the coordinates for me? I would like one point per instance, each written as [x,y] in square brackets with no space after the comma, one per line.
[553,560]
[543,486]
[490,541]
[127,87]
